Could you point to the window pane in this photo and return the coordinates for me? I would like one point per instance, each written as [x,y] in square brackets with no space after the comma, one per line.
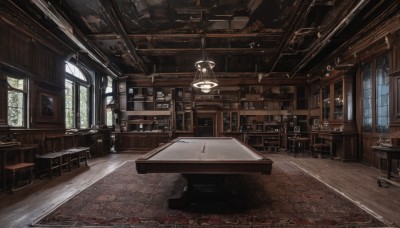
[16,102]
[84,107]
[69,104]
[16,83]
[75,71]
[16,109]
[382,94]
[367,98]
[109,88]
[109,116]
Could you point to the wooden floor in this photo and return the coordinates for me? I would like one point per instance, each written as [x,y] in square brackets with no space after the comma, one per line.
[354,181]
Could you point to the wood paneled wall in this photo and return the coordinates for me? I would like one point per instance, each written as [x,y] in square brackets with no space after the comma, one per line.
[44,69]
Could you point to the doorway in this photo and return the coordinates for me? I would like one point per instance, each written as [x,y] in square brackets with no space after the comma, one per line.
[205,123]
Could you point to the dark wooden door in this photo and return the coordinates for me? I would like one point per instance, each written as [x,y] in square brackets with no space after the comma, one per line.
[205,125]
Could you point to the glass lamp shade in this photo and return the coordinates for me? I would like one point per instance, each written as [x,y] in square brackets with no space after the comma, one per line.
[204,78]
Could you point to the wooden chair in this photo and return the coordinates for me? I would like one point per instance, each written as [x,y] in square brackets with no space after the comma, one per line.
[21,165]
[80,153]
[57,158]
[20,168]
[54,158]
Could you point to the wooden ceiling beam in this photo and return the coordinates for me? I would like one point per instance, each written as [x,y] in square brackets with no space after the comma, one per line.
[232,51]
[224,82]
[116,20]
[265,36]
[302,9]
[275,75]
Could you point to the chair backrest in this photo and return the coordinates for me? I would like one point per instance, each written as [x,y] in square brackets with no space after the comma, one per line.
[53,143]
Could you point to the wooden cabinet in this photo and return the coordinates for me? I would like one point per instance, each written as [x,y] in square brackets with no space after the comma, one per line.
[262,132]
[139,99]
[183,110]
[230,122]
[260,123]
[301,97]
[137,142]
[394,94]
[146,120]
[326,103]
[101,144]
[338,115]
[264,141]
[332,102]
[148,98]
[272,141]
[338,102]
[237,110]
[183,121]
[272,97]
[157,121]
[315,95]
[226,98]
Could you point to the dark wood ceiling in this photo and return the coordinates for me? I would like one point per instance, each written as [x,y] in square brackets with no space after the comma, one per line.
[243,37]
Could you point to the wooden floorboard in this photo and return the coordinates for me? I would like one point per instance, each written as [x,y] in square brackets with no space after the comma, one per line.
[25,206]
[355,181]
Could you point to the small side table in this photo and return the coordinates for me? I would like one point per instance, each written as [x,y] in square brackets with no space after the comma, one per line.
[388,153]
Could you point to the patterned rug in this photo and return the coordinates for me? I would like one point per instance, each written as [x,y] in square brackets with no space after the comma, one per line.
[286,198]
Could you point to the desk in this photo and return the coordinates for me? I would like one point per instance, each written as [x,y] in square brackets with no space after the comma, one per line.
[203,159]
[388,153]
[342,145]
[298,143]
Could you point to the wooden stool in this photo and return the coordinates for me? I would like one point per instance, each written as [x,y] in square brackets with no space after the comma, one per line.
[20,168]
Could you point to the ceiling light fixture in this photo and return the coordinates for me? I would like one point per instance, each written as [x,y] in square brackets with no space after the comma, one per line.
[204,79]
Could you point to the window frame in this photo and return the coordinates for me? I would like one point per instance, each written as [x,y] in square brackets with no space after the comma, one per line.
[109,95]
[373,68]
[385,93]
[367,128]
[77,83]
[25,98]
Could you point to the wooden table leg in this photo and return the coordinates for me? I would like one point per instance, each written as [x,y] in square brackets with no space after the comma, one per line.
[380,171]
[13,181]
[389,167]
[51,168]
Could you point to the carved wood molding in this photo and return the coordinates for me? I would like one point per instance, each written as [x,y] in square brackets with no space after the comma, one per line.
[19,20]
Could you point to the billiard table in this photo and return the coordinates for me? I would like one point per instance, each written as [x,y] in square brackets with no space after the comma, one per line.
[204,155]
[204,162]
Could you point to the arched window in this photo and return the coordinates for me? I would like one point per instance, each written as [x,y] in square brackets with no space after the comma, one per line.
[77,98]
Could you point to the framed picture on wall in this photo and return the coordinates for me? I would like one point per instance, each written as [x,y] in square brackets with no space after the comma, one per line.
[48,106]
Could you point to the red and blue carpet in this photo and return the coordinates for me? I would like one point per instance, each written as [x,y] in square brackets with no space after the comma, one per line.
[287,198]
